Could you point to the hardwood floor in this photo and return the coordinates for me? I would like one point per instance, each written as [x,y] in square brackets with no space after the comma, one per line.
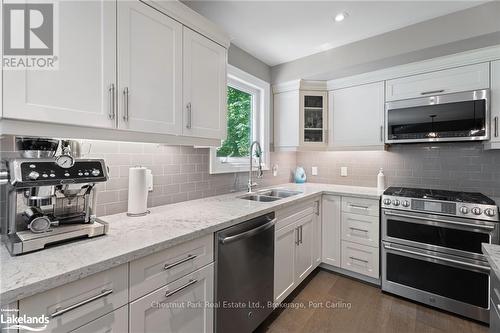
[358,307]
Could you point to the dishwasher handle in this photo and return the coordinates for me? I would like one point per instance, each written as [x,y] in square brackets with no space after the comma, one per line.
[249,233]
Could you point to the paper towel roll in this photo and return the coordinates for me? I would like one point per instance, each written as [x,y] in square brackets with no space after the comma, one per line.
[138,183]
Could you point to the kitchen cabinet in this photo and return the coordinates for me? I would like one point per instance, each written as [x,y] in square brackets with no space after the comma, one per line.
[304,251]
[494,302]
[313,118]
[177,307]
[204,86]
[317,241]
[470,77]
[286,119]
[360,259]
[284,261]
[495,103]
[357,116]
[331,206]
[149,70]
[114,322]
[80,91]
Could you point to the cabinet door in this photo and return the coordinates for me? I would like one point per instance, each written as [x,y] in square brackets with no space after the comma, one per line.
[495,101]
[79,91]
[150,69]
[178,307]
[204,81]
[357,115]
[446,81]
[286,119]
[313,118]
[284,261]
[317,234]
[114,322]
[305,249]
[331,230]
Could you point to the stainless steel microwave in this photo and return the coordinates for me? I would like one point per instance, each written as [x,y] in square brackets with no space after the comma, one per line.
[463,116]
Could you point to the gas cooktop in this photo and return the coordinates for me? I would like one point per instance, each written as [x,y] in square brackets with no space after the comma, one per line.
[452,203]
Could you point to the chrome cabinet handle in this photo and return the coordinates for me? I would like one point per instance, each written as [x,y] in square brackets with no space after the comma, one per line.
[430,256]
[175,291]
[357,259]
[317,208]
[125,103]
[358,206]
[177,263]
[358,229]
[496,127]
[189,115]
[300,239]
[487,227]
[297,236]
[111,90]
[104,293]
[432,92]
[381,133]
[248,233]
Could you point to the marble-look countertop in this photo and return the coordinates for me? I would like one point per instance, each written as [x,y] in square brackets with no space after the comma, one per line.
[492,253]
[132,238]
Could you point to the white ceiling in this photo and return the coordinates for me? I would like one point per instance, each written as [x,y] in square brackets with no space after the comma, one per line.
[280,31]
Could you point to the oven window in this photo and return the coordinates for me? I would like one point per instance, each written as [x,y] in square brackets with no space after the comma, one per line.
[439,236]
[459,119]
[451,282]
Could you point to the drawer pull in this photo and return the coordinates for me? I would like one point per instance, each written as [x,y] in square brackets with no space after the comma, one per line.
[357,259]
[432,92]
[175,291]
[104,293]
[357,229]
[358,206]
[177,263]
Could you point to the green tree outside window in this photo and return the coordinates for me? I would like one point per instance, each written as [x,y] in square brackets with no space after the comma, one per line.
[239,115]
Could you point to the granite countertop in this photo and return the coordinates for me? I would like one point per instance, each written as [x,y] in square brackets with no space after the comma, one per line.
[132,238]
[492,253]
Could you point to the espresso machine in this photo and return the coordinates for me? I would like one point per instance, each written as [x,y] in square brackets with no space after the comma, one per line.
[50,200]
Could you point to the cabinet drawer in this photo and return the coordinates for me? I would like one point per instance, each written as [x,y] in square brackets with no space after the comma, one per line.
[292,214]
[360,259]
[158,269]
[360,206]
[80,302]
[177,307]
[447,81]
[114,322]
[360,229]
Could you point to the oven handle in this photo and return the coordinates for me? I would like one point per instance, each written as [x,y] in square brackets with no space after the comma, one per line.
[483,268]
[480,226]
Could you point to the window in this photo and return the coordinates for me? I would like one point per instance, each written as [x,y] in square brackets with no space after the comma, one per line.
[248,100]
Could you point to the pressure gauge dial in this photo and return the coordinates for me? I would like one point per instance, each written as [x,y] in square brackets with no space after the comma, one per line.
[65,161]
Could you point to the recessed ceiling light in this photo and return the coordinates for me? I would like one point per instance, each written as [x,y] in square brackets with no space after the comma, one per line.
[341,16]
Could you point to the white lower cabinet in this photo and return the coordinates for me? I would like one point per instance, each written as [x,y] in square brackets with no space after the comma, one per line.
[360,259]
[296,252]
[114,322]
[331,206]
[177,307]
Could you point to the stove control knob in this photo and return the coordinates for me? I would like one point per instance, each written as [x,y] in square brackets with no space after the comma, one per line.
[33,175]
[395,202]
[476,211]
[406,203]
[464,210]
[96,172]
[387,201]
[490,212]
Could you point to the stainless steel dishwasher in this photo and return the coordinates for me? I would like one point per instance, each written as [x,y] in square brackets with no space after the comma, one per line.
[244,274]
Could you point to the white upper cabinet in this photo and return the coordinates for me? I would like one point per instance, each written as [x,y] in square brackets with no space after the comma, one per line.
[149,70]
[313,118]
[357,116]
[204,82]
[495,102]
[286,119]
[471,77]
[79,92]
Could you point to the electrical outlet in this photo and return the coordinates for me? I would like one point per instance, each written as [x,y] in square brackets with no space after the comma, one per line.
[314,171]
[343,171]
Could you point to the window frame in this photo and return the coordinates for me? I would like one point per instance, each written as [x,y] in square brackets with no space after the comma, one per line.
[260,126]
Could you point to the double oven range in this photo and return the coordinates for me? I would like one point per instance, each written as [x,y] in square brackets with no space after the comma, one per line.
[431,249]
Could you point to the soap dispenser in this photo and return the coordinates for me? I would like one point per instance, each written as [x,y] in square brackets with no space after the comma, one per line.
[381,180]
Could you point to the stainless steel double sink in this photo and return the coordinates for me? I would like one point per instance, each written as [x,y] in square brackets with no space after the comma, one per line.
[269,195]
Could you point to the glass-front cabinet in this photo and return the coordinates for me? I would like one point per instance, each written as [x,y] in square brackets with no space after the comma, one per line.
[313,118]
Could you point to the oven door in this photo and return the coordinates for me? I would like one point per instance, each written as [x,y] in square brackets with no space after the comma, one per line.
[445,234]
[448,282]
[452,117]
